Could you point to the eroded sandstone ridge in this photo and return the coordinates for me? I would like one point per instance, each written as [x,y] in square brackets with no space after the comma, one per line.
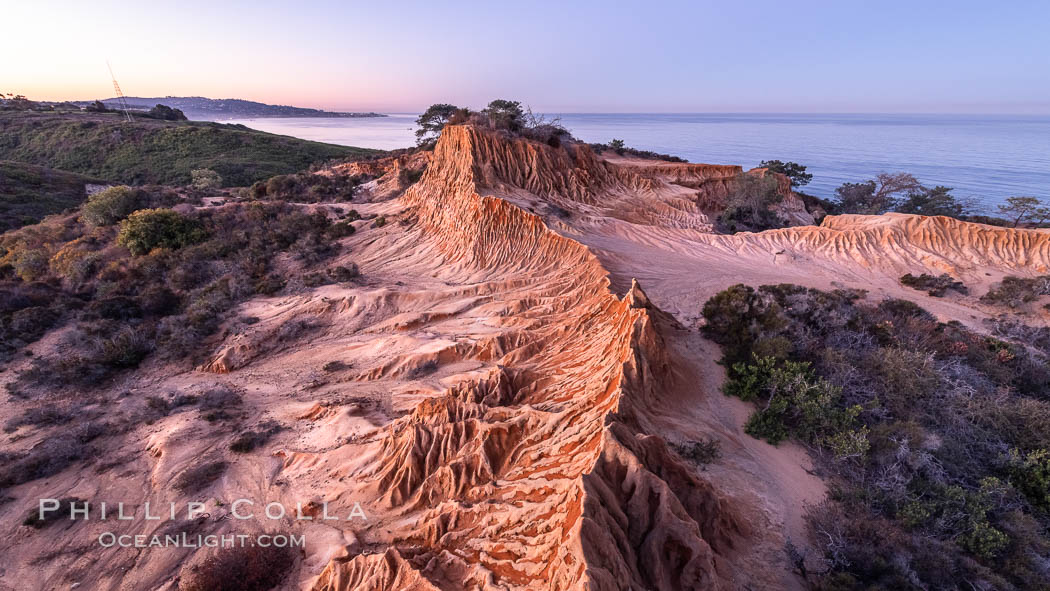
[542,473]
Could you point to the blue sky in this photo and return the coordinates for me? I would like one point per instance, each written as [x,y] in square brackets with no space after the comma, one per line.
[803,56]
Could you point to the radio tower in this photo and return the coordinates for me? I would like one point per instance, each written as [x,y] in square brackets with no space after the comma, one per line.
[120,95]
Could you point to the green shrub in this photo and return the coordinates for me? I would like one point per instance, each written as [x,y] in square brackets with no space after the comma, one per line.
[737,317]
[122,303]
[205,178]
[150,151]
[922,411]
[792,170]
[1030,473]
[794,403]
[31,264]
[379,222]
[750,202]
[1015,292]
[900,377]
[306,187]
[28,192]
[166,113]
[148,229]
[983,540]
[74,264]
[936,201]
[111,205]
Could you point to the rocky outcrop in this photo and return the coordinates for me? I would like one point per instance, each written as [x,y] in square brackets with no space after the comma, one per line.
[387,177]
[541,474]
[711,184]
[898,243]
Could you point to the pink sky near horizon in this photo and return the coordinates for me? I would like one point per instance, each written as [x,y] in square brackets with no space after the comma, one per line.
[588,56]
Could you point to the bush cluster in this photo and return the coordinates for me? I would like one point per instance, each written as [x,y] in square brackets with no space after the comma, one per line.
[933,435]
[506,116]
[171,288]
[163,152]
[702,453]
[305,187]
[622,149]
[1015,292]
[934,285]
[749,204]
[148,229]
[111,205]
[239,568]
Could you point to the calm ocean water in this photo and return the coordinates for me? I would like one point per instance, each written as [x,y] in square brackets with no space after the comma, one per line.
[986,158]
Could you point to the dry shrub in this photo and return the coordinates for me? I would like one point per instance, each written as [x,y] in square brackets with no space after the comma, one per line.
[1015,292]
[934,285]
[33,520]
[239,568]
[197,478]
[249,440]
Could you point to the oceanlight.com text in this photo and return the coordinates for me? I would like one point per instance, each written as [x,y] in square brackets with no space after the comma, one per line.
[110,539]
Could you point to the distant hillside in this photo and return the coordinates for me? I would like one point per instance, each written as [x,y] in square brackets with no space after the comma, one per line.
[29,192]
[206,109]
[154,151]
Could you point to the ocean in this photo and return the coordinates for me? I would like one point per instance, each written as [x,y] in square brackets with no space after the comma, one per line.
[985,158]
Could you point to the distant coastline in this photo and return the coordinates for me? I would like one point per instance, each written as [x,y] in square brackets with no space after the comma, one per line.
[985,158]
[208,109]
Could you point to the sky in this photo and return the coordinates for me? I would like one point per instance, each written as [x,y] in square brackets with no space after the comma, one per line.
[887,56]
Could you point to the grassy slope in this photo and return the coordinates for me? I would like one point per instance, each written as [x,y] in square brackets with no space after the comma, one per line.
[29,192]
[160,152]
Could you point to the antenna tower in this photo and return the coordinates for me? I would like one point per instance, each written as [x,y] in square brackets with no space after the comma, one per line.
[120,95]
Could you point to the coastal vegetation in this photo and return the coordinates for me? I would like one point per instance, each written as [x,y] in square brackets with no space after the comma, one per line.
[28,192]
[305,187]
[1015,292]
[932,437]
[621,148]
[934,285]
[903,193]
[202,108]
[1027,210]
[792,170]
[503,115]
[750,204]
[153,151]
[131,277]
[875,196]
[166,113]
[239,568]
[511,117]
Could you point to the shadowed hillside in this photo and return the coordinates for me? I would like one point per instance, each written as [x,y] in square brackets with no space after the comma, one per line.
[157,152]
[29,192]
